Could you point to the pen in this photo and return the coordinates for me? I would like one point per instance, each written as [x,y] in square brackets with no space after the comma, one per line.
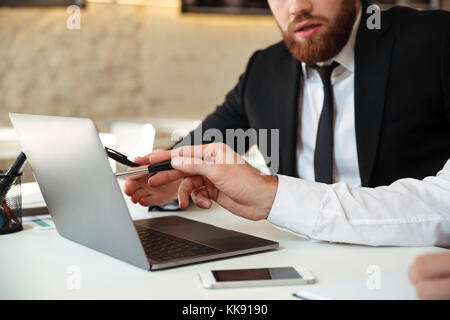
[305,295]
[2,218]
[162,166]
[120,157]
[10,214]
[8,178]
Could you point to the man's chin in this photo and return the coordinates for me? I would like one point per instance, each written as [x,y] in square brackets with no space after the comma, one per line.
[320,47]
[309,52]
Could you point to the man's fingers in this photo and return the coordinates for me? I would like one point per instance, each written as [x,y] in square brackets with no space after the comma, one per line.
[196,151]
[211,189]
[164,177]
[130,187]
[146,201]
[159,156]
[430,266]
[140,193]
[188,185]
[436,289]
[145,159]
[191,166]
[201,198]
[142,160]
[151,200]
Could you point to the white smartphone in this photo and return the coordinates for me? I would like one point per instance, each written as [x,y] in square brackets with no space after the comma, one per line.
[256,277]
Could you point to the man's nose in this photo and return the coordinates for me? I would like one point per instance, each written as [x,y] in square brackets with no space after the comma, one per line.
[299,7]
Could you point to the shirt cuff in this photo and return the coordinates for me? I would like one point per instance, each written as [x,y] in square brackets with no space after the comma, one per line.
[296,205]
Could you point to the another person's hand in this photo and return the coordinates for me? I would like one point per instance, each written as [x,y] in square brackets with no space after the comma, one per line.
[214,172]
[141,191]
[430,274]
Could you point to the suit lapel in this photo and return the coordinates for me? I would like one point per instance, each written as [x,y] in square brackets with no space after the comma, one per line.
[287,114]
[373,49]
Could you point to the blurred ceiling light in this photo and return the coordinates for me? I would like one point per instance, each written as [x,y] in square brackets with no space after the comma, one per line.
[150,3]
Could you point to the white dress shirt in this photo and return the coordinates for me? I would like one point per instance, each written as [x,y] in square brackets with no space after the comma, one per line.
[345,164]
[409,212]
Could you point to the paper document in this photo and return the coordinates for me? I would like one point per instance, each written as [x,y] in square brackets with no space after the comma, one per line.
[39,223]
[32,196]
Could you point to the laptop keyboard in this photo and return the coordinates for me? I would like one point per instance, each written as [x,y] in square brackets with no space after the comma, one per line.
[160,246]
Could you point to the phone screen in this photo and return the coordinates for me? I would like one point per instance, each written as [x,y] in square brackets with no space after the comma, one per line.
[256,274]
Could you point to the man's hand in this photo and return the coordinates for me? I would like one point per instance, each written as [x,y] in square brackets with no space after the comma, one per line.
[140,190]
[215,172]
[431,276]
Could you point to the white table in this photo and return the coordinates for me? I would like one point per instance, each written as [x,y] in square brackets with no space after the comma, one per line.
[37,265]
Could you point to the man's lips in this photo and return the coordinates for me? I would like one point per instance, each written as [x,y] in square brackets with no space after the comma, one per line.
[307,29]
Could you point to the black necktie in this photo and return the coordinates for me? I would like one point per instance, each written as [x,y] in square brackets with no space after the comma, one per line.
[323,155]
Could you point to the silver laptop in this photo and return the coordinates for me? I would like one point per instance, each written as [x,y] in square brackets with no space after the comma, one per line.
[87,206]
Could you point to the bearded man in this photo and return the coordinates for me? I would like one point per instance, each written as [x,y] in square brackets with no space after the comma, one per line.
[363,116]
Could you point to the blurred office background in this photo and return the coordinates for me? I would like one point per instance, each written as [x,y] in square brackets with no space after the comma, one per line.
[162,62]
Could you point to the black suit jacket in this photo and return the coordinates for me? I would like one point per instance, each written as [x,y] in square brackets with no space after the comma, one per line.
[402,97]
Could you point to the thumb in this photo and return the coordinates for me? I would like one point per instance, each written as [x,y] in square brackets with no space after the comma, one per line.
[142,160]
[147,158]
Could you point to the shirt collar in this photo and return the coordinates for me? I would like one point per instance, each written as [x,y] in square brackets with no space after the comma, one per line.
[346,57]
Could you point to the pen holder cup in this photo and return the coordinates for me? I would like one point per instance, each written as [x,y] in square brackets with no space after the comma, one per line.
[11,207]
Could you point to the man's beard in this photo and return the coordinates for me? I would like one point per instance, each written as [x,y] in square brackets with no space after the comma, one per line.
[326,46]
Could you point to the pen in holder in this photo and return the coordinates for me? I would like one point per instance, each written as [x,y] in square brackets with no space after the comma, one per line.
[10,204]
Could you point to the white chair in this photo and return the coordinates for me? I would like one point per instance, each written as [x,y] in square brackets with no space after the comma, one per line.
[109,140]
[9,144]
[133,139]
